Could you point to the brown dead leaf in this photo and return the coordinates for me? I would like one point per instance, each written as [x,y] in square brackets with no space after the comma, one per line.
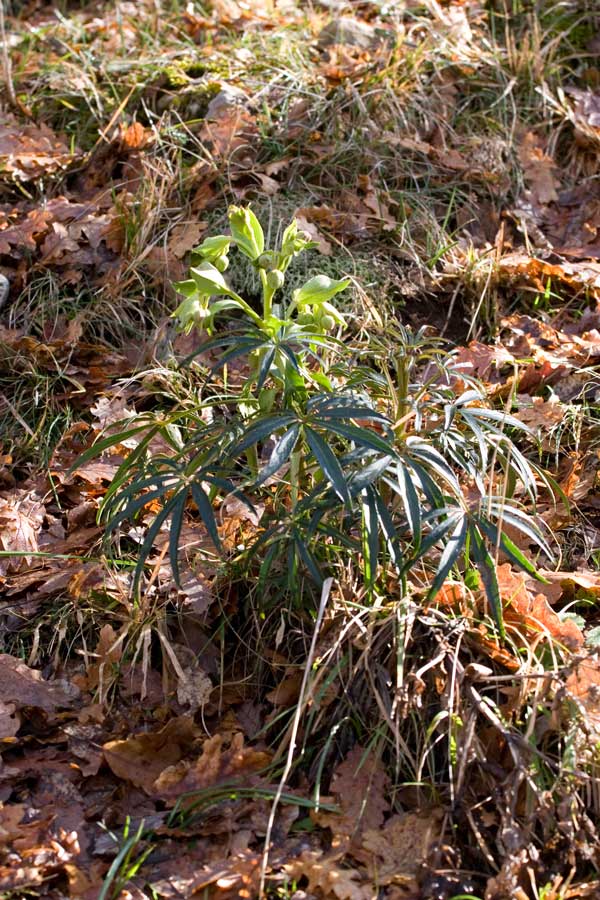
[22,234]
[29,151]
[21,518]
[215,765]
[539,170]
[326,876]
[323,245]
[107,653]
[536,272]
[539,414]
[141,758]
[24,687]
[397,850]
[583,684]
[360,787]
[532,614]
[570,586]
[287,691]
[185,237]
[231,136]
[135,136]
[586,116]
[483,361]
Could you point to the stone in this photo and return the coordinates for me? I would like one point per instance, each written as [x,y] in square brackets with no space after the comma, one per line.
[349,31]
[227,98]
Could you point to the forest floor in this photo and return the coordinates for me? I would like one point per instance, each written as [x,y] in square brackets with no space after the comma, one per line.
[212,736]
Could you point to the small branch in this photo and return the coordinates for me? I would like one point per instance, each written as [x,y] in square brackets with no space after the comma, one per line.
[294,735]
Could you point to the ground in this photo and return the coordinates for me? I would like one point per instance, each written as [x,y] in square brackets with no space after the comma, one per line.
[279,698]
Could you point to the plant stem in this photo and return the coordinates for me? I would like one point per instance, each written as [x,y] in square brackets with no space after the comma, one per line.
[267,295]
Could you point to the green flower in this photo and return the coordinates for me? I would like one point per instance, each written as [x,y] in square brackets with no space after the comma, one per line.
[246,232]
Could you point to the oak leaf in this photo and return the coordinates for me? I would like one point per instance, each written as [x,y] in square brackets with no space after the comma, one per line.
[141,758]
[216,764]
[325,875]
[360,787]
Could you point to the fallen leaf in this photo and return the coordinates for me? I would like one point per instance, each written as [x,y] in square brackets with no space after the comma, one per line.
[21,519]
[24,687]
[539,170]
[530,614]
[396,851]
[29,151]
[215,765]
[185,237]
[141,758]
[323,246]
[326,875]
[360,787]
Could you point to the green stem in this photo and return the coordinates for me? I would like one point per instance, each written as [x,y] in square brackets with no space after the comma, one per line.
[252,460]
[295,462]
[267,295]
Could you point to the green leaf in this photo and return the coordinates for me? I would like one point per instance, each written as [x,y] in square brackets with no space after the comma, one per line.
[388,528]
[188,287]
[362,437]
[246,231]
[308,559]
[212,248]
[370,537]
[319,290]
[412,504]
[151,535]
[175,533]
[498,539]
[104,444]
[329,464]
[208,280]
[207,515]
[487,569]
[261,429]
[455,544]
[280,454]
[523,523]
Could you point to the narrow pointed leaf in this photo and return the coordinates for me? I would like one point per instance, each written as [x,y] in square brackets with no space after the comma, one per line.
[328,463]
[455,544]
[175,533]
[487,569]
[280,454]
[207,515]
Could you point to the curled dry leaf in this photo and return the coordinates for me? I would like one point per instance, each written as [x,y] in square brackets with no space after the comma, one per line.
[326,876]
[360,787]
[141,758]
[583,685]
[539,170]
[21,518]
[24,687]
[536,273]
[215,765]
[395,852]
[531,614]
[29,151]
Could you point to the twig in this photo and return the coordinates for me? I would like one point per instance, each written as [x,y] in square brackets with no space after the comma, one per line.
[294,735]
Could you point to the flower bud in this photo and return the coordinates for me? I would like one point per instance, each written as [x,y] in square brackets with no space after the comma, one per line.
[266,261]
[275,279]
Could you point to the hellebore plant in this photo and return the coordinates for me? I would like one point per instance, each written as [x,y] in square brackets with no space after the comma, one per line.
[373,461]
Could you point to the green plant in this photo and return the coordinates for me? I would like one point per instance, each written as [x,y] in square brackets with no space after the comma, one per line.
[128,861]
[385,457]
